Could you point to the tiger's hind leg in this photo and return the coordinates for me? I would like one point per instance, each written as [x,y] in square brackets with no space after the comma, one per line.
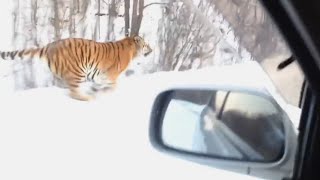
[75,90]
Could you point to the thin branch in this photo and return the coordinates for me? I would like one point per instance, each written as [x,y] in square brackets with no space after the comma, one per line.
[153,4]
[100,14]
[105,2]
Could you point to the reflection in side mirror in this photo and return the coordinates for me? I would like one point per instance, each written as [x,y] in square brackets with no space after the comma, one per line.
[223,124]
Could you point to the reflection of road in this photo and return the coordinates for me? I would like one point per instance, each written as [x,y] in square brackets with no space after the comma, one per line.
[181,126]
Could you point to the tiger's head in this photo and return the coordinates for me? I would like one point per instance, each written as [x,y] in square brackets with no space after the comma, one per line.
[143,47]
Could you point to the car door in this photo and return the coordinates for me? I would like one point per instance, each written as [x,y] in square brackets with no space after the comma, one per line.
[292,28]
[302,32]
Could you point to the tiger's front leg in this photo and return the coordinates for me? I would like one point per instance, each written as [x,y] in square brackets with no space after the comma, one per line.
[111,87]
[104,88]
[103,84]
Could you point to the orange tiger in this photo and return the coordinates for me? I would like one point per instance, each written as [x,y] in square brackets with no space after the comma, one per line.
[76,60]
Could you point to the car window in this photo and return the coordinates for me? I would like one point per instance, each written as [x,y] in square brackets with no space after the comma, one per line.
[184,35]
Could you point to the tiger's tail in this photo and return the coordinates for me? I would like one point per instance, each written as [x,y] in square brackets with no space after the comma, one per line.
[23,54]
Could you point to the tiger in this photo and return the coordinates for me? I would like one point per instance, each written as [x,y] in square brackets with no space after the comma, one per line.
[77,60]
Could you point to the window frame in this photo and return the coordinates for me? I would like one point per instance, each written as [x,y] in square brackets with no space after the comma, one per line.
[296,21]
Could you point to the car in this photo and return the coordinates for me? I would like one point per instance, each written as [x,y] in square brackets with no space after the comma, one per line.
[45,135]
[187,123]
[300,30]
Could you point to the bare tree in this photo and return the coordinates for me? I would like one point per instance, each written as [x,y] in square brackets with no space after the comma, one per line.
[137,15]
[96,34]
[112,15]
[126,17]
[16,20]
[77,6]
[72,12]
[56,20]
[253,27]
[83,14]
[184,38]
[34,21]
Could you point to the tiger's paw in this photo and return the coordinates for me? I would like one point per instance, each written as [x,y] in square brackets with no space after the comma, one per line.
[81,97]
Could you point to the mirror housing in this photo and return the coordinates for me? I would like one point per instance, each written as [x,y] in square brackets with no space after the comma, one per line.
[276,168]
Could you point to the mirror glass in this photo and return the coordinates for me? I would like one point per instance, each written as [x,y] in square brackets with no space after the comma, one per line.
[224,124]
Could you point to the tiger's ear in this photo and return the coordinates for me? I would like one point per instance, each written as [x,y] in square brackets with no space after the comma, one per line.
[133,35]
[137,39]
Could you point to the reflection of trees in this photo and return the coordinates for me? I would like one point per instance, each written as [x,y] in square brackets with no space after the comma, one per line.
[263,132]
[253,26]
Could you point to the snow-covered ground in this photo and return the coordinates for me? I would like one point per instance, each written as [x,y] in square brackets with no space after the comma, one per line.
[44,134]
[55,137]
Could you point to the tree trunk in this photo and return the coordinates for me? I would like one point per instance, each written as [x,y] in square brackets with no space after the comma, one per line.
[97,27]
[84,8]
[140,16]
[56,20]
[112,15]
[134,16]
[16,21]
[126,17]
[137,15]
[78,6]
[72,6]
[34,20]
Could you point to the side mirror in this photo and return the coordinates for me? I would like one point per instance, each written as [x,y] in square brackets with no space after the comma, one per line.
[243,131]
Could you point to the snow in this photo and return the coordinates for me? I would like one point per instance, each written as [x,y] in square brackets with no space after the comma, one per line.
[44,134]
[47,135]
